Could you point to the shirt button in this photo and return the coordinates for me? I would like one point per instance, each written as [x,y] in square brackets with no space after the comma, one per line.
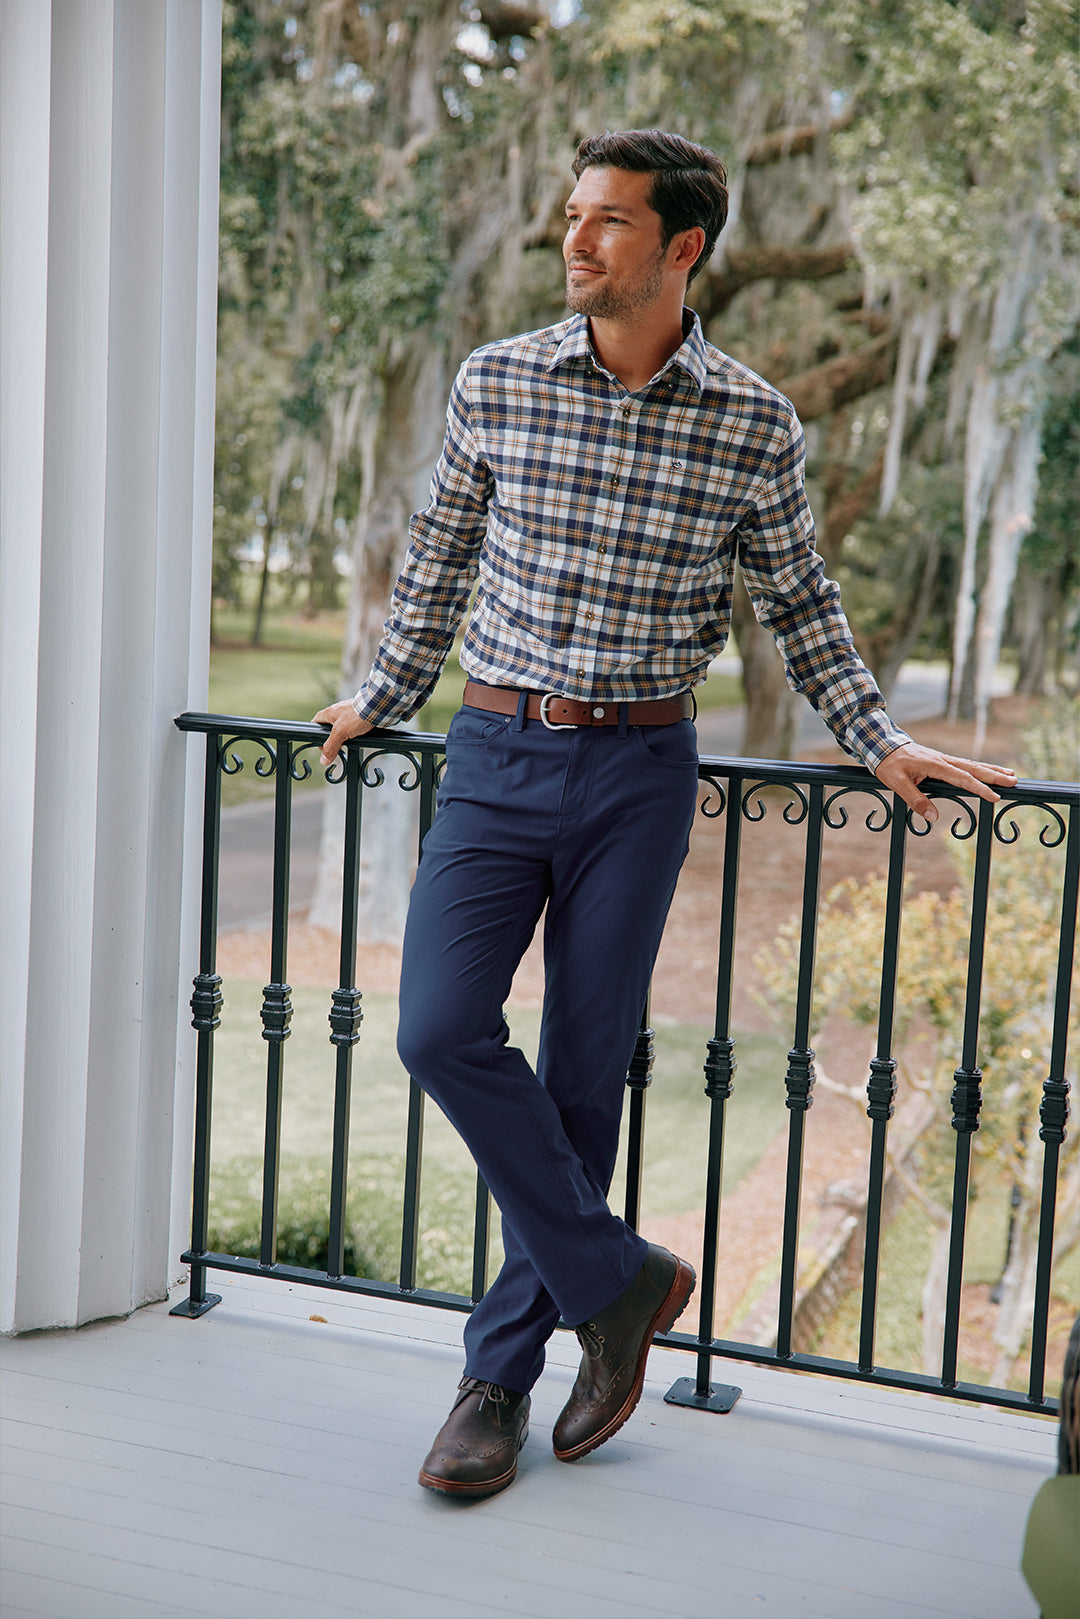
[626,409]
[581,673]
[601,549]
[614,480]
[589,617]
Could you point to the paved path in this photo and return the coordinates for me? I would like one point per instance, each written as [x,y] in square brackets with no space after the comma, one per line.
[247,830]
[920,693]
[247,858]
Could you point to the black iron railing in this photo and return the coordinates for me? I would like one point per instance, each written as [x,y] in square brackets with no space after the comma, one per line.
[736,792]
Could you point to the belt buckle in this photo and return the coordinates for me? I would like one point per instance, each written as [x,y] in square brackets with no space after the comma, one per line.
[552,725]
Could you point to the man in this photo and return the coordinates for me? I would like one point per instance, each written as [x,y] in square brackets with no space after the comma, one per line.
[598,479]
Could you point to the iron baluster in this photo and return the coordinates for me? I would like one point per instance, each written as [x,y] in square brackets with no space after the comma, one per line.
[414,1137]
[346,1016]
[277,1007]
[481,1239]
[966,1097]
[638,1080]
[1054,1108]
[720,1066]
[881,1085]
[429,784]
[799,1079]
[410,1208]
[206,1004]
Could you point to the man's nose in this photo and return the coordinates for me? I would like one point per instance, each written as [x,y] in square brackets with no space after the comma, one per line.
[580,238]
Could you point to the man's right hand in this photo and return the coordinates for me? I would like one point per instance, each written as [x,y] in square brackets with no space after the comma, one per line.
[345,723]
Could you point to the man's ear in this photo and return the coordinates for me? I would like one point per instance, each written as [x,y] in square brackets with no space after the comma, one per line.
[689,245]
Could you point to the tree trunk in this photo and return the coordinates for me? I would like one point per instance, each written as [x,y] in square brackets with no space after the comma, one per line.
[844,506]
[772,708]
[1033,601]
[744,266]
[1018,1282]
[1011,517]
[780,143]
[885,649]
[400,443]
[264,584]
[934,1294]
[962,692]
[824,388]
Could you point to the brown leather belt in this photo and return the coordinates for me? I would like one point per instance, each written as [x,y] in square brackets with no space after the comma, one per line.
[564,712]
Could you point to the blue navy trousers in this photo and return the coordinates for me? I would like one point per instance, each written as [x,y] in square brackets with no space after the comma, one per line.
[594,823]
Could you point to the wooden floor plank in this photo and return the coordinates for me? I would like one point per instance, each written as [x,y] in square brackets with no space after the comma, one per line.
[255,1464]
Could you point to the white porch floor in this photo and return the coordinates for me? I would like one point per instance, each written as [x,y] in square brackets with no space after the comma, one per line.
[255,1464]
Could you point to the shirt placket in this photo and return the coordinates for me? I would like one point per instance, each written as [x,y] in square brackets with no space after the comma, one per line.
[616,460]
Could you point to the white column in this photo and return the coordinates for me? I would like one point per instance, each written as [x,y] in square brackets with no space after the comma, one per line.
[24,236]
[100,823]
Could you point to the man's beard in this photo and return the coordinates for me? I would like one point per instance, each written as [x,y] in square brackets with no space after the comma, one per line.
[617,303]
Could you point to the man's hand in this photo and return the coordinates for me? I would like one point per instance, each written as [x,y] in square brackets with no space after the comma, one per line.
[903,769]
[345,723]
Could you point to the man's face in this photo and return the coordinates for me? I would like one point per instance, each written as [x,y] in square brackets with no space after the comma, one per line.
[615,264]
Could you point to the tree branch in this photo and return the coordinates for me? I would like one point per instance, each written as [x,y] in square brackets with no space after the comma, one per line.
[844,507]
[745,265]
[504,19]
[781,143]
[826,387]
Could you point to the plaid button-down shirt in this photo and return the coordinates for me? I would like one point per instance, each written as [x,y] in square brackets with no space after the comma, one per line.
[603,527]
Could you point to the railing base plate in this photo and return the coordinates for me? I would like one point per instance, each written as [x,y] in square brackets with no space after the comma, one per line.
[192,1309]
[721,1396]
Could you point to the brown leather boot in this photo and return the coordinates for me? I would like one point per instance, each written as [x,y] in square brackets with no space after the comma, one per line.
[616,1343]
[476,1450]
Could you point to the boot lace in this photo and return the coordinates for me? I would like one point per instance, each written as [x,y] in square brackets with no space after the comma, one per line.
[499,1397]
[589,1338]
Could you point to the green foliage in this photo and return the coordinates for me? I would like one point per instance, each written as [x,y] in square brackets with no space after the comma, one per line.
[882,557]
[1020,946]
[373,1226]
[675,1165]
[1051,544]
[1051,753]
[1020,963]
[248,427]
[352,227]
[679,65]
[1018,985]
[962,119]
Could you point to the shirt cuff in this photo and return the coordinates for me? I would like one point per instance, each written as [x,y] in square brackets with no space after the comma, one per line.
[872,736]
[380,708]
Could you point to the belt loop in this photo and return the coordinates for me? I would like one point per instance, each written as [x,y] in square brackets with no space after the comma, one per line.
[518,723]
[624,712]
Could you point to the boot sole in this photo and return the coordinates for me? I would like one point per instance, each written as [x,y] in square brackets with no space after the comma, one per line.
[473,1490]
[678,1297]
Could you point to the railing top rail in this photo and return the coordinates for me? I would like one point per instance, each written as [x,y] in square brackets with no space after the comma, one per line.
[761,771]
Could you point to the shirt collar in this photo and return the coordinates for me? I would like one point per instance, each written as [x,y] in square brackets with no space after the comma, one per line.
[690,356]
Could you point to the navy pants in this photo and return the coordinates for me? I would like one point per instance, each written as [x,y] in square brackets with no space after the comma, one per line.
[595,825]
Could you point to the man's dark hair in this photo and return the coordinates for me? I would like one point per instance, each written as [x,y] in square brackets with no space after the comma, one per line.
[689,185]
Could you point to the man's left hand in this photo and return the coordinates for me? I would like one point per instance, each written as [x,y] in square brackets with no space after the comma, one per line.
[903,770]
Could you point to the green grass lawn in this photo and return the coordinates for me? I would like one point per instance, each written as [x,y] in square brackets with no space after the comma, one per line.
[297,671]
[677,1117]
